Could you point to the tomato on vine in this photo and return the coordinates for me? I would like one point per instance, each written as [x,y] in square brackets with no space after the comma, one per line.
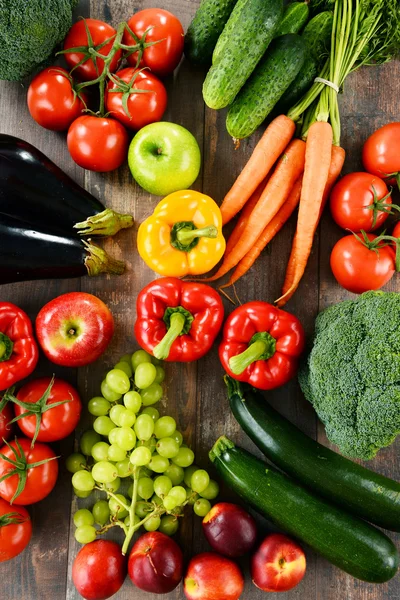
[6,416]
[381,153]
[15,530]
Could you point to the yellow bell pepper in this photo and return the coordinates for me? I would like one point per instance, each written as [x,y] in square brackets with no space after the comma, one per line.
[183,236]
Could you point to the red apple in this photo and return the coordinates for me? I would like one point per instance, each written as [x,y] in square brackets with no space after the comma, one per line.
[155,563]
[278,565]
[213,577]
[229,529]
[99,570]
[74,329]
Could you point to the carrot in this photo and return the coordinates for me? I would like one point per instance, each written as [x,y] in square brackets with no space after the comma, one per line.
[273,142]
[316,171]
[269,232]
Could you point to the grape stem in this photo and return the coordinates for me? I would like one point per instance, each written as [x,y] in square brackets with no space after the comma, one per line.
[132,508]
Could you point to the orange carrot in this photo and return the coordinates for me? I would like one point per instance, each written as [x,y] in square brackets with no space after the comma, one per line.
[244,217]
[273,142]
[316,171]
[269,232]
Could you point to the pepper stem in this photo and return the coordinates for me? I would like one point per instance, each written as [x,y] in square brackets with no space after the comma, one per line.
[176,324]
[262,347]
[105,223]
[6,347]
[186,236]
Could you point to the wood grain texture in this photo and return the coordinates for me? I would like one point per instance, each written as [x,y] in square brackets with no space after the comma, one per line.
[195,393]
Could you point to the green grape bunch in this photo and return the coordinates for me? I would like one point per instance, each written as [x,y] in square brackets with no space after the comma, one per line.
[132,447]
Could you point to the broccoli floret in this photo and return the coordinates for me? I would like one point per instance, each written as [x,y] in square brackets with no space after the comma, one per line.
[29,32]
[352,373]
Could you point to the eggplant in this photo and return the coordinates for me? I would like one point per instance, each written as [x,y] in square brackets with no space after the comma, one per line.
[28,253]
[34,189]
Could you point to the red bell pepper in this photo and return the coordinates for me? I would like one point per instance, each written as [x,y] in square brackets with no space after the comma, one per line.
[261,345]
[177,320]
[18,349]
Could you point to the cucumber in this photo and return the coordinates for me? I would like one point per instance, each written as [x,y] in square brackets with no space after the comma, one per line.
[259,19]
[347,542]
[229,30]
[272,76]
[294,18]
[362,492]
[205,29]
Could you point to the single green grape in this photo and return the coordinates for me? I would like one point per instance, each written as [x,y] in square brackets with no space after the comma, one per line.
[104,472]
[144,427]
[200,480]
[142,509]
[169,525]
[83,481]
[124,366]
[83,516]
[118,381]
[169,503]
[201,507]
[139,357]
[124,468]
[115,413]
[160,374]
[211,491]
[133,401]
[140,456]
[115,453]
[99,406]
[112,436]
[127,520]
[145,487]
[88,440]
[158,463]
[153,412]
[178,437]
[167,447]
[188,474]
[113,486]
[165,427]
[178,492]
[126,358]
[184,458]
[127,418]
[151,394]
[156,500]
[162,486]
[145,374]
[100,451]
[125,438]
[145,472]
[75,462]
[116,508]
[103,425]
[85,534]
[152,524]
[108,393]
[81,494]
[175,473]
[101,512]
[129,491]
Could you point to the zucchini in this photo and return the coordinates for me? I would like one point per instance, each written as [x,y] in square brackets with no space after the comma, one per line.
[347,542]
[366,494]
[294,18]
[254,29]
[205,29]
[272,76]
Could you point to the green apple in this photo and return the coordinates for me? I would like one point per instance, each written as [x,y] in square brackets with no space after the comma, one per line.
[164,158]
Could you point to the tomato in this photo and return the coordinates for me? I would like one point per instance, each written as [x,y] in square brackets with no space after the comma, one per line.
[56,423]
[6,415]
[77,37]
[358,268]
[52,101]
[99,570]
[39,480]
[381,153]
[144,108]
[165,28]
[351,197]
[15,530]
[97,143]
[396,230]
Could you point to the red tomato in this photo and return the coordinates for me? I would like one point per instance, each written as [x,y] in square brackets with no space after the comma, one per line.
[163,57]
[351,197]
[144,108]
[56,423]
[15,530]
[381,152]
[278,565]
[6,415]
[52,101]
[39,480]
[97,143]
[99,570]
[358,268]
[77,37]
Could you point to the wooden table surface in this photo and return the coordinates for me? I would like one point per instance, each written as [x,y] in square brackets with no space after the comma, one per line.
[195,393]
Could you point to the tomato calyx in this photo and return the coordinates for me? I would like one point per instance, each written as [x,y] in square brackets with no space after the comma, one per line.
[140,45]
[380,242]
[262,346]
[127,88]
[12,518]
[6,347]
[74,86]
[379,205]
[396,176]
[21,466]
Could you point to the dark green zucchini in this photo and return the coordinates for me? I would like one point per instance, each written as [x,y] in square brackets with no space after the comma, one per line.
[254,29]
[347,542]
[205,29]
[294,18]
[272,76]
[359,490]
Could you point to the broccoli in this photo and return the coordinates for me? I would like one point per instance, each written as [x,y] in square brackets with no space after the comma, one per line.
[352,373]
[29,32]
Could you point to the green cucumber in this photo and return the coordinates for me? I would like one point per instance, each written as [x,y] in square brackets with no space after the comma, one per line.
[347,542]
[362,492]
[259,19]
[229,30]
[205,29]
[294,18]
[272,76]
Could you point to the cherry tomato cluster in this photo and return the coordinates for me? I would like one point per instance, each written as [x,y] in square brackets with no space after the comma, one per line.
[361,203]
[151,43]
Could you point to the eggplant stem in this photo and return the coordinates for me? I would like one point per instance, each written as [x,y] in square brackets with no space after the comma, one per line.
[98,261]
[106,223]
